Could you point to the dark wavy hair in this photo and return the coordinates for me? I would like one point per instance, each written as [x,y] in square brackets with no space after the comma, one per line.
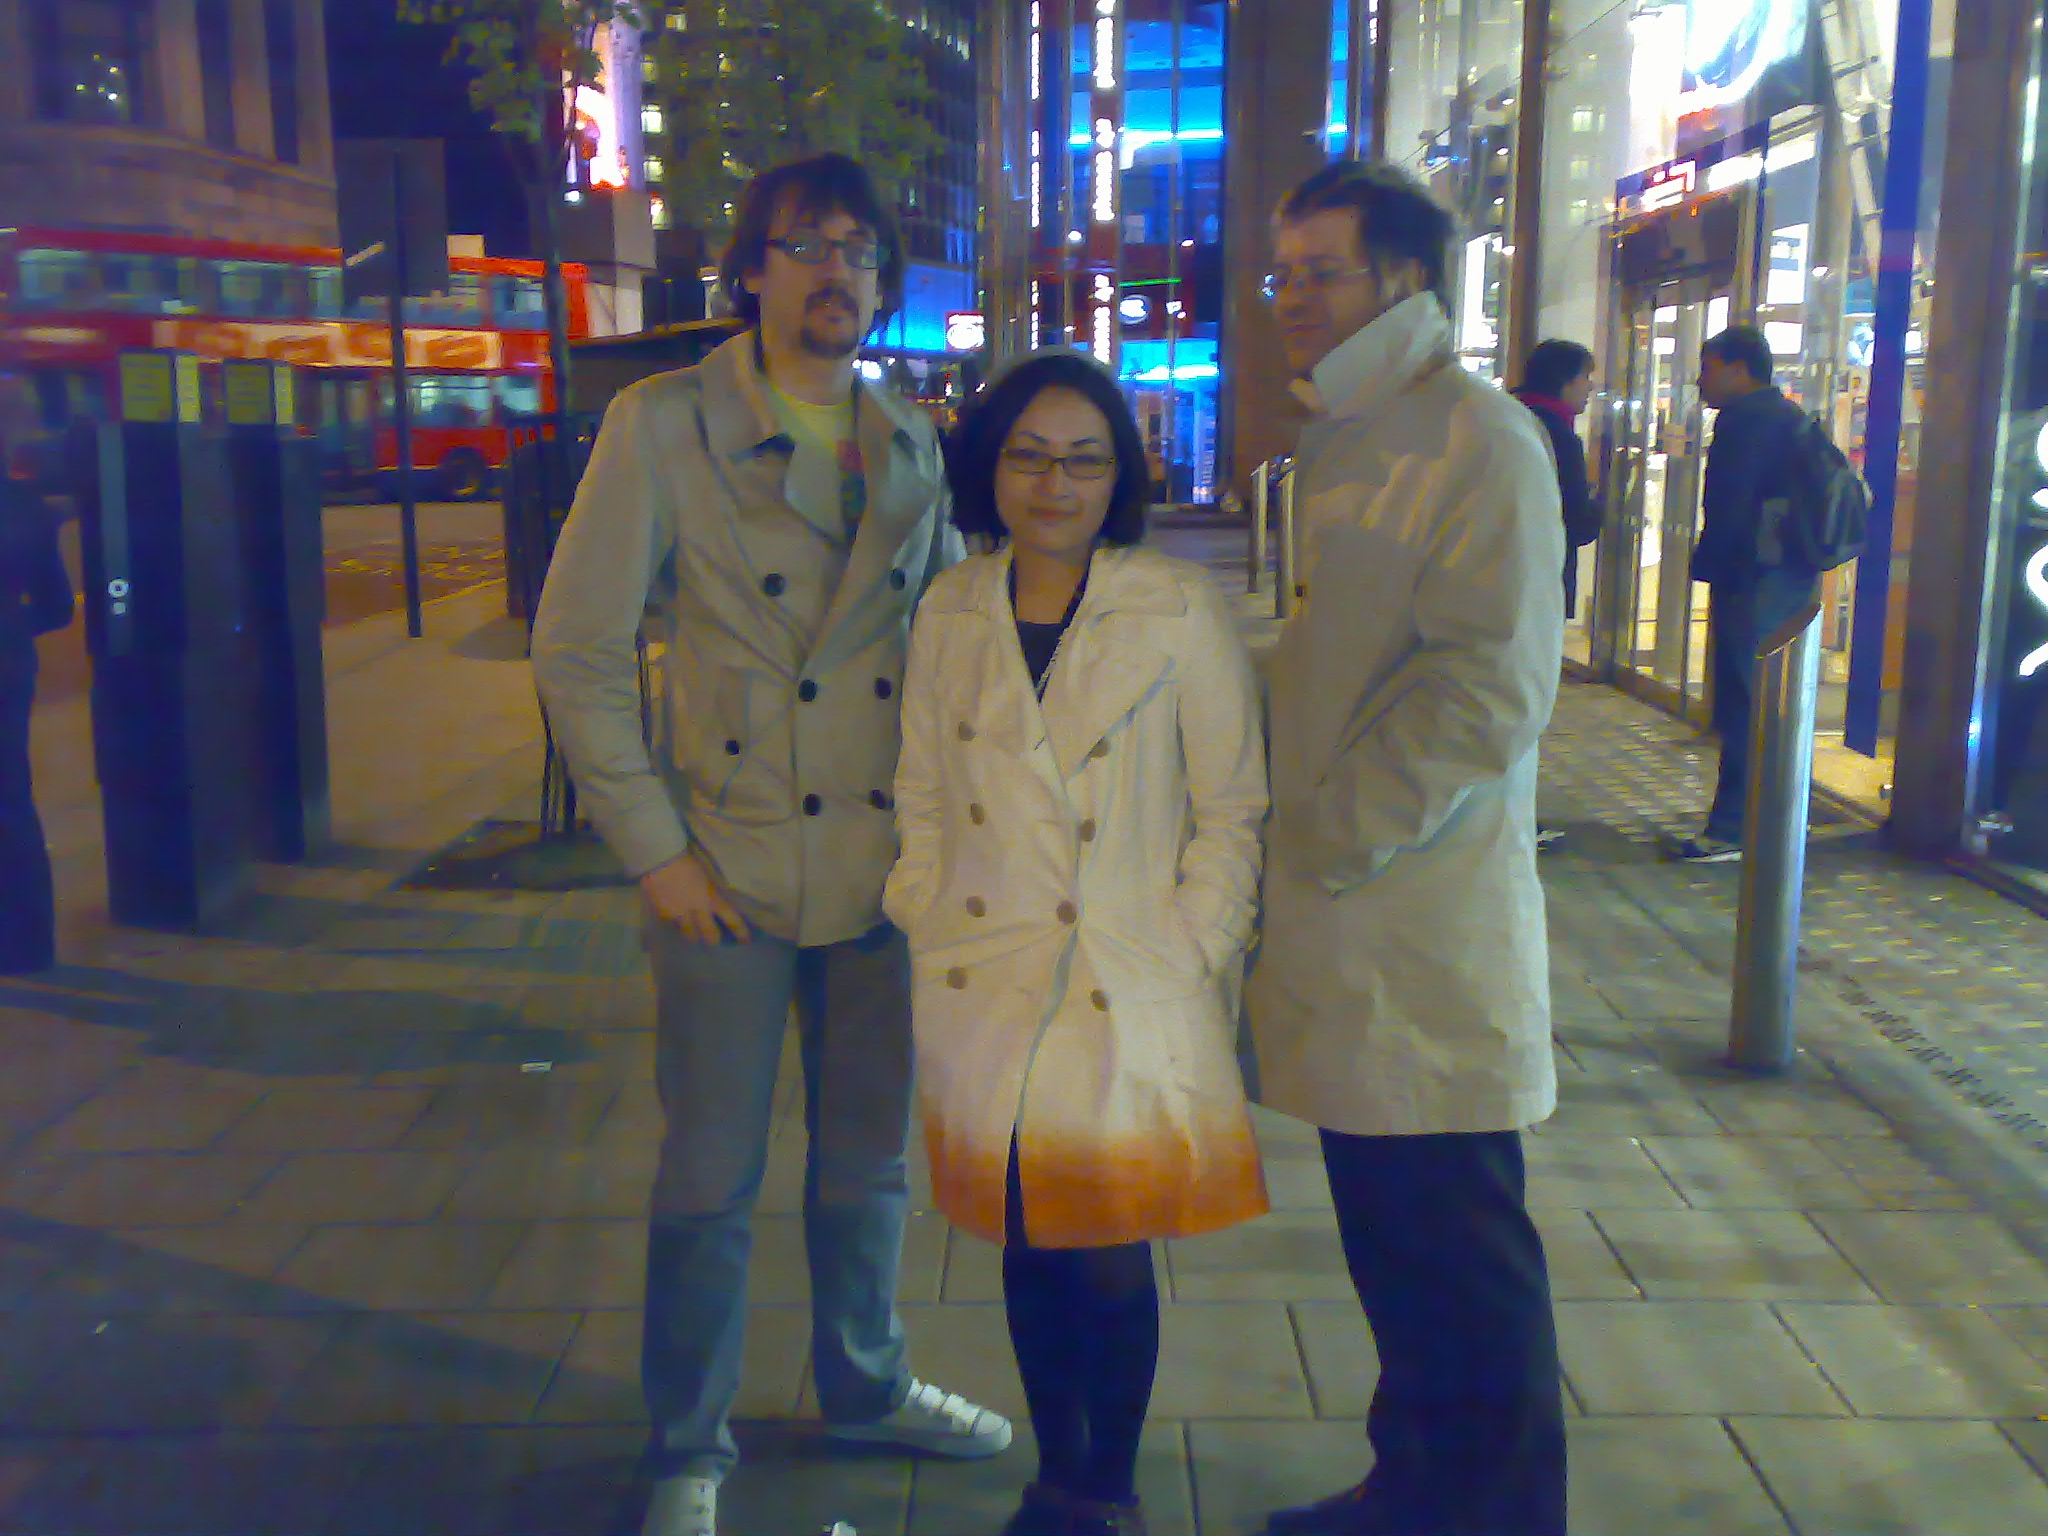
[821,185]
[1398,218]
[975,446]
[1554,364]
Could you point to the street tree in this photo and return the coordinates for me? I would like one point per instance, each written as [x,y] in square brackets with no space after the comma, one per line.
[745,85]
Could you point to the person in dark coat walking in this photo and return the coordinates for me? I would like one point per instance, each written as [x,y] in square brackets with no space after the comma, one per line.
[1557,381]
[35,598]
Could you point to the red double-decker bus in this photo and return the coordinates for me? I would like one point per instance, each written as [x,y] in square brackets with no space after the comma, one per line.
[72,301]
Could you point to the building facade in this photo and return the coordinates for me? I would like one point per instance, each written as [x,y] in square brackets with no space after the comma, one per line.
[170,117]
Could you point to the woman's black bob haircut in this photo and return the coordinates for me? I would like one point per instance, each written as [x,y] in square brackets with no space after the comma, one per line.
[975,447]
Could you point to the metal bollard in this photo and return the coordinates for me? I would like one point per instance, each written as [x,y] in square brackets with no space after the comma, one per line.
[1255,562]
[1760,1023]
[1287,593]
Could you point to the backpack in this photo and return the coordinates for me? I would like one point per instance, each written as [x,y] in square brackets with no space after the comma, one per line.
[1822,521]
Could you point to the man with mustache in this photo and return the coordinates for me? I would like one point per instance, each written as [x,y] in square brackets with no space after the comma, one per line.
[777,522]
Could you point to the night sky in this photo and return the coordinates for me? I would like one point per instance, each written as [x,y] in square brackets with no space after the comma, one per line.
[389,81]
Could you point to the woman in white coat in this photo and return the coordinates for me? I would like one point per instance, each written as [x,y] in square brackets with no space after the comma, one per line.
[1080,795]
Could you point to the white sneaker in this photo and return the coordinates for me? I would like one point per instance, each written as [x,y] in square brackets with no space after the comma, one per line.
[682,1506]
[936,1422]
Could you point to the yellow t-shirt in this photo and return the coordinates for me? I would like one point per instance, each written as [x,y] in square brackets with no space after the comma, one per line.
[825,471]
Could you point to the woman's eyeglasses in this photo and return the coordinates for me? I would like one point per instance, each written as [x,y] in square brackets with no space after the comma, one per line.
[814,250]
[1079,466]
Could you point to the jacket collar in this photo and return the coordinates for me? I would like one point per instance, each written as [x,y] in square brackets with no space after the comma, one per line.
[741,423]
[1382,361]
[1117,584]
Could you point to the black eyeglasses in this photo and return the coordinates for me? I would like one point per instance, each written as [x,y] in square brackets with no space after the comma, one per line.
[1079,466]
[814,250]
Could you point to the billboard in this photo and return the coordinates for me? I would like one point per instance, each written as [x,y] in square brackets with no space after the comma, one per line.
[1744,61]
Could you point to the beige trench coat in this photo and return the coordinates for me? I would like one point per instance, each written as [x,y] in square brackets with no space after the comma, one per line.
[776,737]
[1402,985]
[1078,882]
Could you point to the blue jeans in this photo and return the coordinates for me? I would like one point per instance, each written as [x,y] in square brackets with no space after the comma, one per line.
[721,1016]
[1743,615]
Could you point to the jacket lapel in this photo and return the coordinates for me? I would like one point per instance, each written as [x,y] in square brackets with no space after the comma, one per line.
[902,491]
[1106,666]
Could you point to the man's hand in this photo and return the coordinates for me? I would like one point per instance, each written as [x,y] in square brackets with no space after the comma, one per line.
[685,893]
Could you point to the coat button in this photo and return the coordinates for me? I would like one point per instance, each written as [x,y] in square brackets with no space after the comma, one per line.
[1100,999]
[807,690]
[966,731]
[898,580]
[976,814]
[881,800]
[884,688]
[1099,750]
[1088,830]
[813,805]
[1066,912]
[732,748]
[976,907]
[957,979]
[773,584]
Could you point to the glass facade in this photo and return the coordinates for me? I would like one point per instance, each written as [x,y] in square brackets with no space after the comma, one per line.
[2013,789]
[1698,173]
[1451,114]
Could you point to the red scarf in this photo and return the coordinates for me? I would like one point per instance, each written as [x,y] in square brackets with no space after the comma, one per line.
[1549,404]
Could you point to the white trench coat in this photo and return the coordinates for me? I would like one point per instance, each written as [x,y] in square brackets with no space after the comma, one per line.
[1402,985]
[1078,881]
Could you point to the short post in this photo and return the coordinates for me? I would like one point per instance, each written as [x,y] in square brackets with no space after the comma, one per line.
[1287,596]
[1255,562]
[1760,1025]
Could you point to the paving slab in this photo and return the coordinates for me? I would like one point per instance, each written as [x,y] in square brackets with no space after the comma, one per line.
[1688,1357]
[1672,1476]
[1920,1362]
[1930,1256]
[1889,1477]
[1731,1256]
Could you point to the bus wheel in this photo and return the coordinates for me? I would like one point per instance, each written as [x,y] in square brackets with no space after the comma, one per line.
[464,475]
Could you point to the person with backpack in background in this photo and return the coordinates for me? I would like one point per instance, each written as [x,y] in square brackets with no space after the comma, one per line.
[1557,382]
[1781,506]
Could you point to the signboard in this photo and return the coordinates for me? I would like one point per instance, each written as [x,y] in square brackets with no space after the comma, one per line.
[1744,61]
[966,331]
[1668,186]
[330,343]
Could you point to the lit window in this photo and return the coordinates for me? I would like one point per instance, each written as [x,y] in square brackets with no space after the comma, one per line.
[651,168]
[651,120]
[678,21]
[1582,167]
[1582,120]
[659,210]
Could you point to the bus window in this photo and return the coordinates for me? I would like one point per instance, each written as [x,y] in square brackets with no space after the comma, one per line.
[451,400]
[326,283]
[517,304]
[263,290]
[59,280]
[143,285]
[518,394]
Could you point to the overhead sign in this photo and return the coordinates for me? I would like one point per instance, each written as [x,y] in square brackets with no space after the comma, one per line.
[1669,185]
[1730,45]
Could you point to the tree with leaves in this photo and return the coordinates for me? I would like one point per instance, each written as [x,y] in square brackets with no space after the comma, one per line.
[745,85]
[525,60]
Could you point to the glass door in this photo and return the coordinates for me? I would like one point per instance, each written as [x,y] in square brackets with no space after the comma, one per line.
[1661,457]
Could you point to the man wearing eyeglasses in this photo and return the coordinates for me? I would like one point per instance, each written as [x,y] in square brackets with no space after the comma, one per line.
[776,521]
[1401,998]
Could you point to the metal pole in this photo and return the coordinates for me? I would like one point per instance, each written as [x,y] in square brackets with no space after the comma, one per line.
[1760,1024]
[1255,567]
[1286,595]
[401,402]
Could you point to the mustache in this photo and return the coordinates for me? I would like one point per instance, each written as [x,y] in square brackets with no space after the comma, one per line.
[825,296]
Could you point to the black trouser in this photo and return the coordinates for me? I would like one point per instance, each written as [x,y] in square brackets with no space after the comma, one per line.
[28,919]
[1467,1425]
[1743,615]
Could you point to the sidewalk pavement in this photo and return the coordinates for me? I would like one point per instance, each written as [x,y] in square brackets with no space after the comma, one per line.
[332,1223]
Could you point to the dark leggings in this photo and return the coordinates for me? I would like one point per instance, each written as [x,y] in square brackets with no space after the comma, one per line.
[1085,1325]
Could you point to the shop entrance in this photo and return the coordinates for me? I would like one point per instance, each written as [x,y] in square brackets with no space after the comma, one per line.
[1677,282]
